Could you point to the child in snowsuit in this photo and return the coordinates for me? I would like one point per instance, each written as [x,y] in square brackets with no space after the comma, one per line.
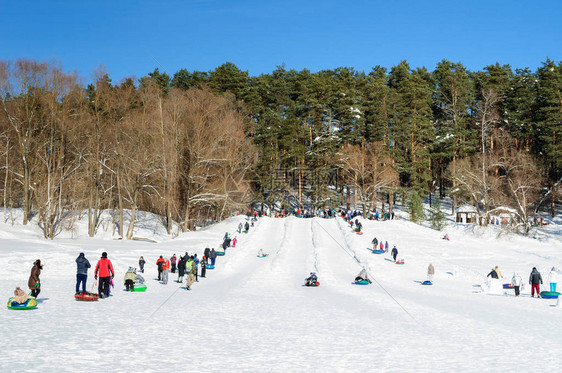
[516,281]
[160,264]
[203,265]
[20,296]
[129,279]
[552,279]
[141,264]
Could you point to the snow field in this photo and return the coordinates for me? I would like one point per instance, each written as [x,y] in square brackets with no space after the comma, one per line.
[254,314]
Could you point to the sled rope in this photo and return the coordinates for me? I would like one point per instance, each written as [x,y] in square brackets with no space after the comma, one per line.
[163,303]
[370,274]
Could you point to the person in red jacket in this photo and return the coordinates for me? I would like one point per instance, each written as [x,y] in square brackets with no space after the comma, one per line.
[104,269]
[160,264]
[165,269]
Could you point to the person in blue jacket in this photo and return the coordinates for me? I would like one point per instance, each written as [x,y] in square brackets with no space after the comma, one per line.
[82,265]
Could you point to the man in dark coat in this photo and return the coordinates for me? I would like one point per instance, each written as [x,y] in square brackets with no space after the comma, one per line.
[394,253]
[207,252]
[535,279]
[213,256]
[82,265]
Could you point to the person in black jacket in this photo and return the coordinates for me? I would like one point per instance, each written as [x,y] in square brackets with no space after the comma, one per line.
[141,264]
[203,265]
[213,256]
[181,268]
[375,242]
[535,279]
[247,227]
[394,253]
[493,274]
[207,252]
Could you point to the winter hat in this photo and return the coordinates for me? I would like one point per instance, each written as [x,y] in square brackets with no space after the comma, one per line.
[81,254]
[104,255]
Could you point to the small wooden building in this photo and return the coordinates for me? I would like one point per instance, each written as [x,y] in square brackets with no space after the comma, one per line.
[466,214]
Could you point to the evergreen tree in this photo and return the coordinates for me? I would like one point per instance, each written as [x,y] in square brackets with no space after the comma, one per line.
[415,207]
[437,217]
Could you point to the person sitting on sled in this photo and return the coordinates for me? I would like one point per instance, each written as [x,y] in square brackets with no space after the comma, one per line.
[446,237]
[20,296]
[130,279]
[312,279]
[362,276]
[138,278]
[261,253]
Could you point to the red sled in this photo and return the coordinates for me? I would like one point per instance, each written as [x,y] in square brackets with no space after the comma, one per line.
[87,297]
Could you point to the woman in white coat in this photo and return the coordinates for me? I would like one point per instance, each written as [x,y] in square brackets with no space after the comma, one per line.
[516,281]
[553,279]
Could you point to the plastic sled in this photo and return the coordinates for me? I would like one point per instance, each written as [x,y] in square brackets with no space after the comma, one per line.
[362,282]
[399,262]
[220,253]
[508,286]
[427,283]
[378,251]
[139,287]
[87,297]
[28,305]
[210,266]
[262,256]
[549,294]
[359,232]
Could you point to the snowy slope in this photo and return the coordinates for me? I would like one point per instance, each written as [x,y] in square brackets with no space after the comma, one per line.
[254,314]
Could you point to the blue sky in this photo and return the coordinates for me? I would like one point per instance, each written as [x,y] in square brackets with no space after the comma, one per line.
[128,37]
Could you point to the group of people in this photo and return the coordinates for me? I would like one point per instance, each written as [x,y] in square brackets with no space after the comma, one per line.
[384,247]
[535,280]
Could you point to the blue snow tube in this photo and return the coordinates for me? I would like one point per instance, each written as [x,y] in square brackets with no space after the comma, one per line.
[427,283]
[362,282]
[550,294]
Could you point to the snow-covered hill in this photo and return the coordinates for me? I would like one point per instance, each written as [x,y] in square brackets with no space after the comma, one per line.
[254,314]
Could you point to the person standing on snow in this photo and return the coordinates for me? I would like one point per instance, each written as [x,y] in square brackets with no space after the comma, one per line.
[240,228]
[82,265]
[181,268]
[207,252]
[394,253]
[165,270]
[234,240]
[375,243]
[247,227]
[34,283]
[196,261]
[173,261]
[104,269]
[141,264]
[203,265]
[516,281]
[160,263]
[190,269]
[535,280]
[430,272]
[552,279]
[497,269]
[386,246]
[129,279]
[213,256]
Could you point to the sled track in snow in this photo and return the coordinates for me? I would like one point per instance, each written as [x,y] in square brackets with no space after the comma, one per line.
[351,253]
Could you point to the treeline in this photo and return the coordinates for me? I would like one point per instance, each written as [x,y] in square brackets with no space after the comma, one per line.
[181,154]
[490,138]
